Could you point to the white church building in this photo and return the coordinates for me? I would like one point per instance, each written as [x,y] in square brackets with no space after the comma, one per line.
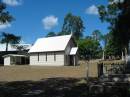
[54,51]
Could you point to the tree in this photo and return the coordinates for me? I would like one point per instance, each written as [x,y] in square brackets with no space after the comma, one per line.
[89,48]
[5,17]
[111,47]
[97,35]
[73,24]
[8,38]
[122,27]
[88,37]
[63,33]
[106,38]
[117,14]
[21,47]
[50,34]
[109,13]
[112,50]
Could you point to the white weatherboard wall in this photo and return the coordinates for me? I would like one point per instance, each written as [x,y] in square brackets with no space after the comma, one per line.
[67,52]
[50,59]
[7,61]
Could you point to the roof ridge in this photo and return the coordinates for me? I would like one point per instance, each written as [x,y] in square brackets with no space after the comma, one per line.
[58,36]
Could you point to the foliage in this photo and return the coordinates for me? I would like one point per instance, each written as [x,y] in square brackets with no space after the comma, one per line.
[89,48]
[88,37]
[8,38]
[5,17]
[73,24]
[109,13]
[112,49]
[50,34]
[63,33]
[97,35]
[122,28]
[21,47]
[117,15]
[106,38]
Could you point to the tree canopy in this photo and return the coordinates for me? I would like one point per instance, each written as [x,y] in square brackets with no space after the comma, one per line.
[117,15]
[89,48]
[97,35]
[50,34]
[5,16]
[8,38]
[73,24]
[122,27]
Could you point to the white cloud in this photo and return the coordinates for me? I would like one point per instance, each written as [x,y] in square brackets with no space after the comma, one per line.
[4,26]
[49,22]
[92,10]
[12,2]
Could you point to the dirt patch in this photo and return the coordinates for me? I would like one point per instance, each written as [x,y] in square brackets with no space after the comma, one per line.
[35,73]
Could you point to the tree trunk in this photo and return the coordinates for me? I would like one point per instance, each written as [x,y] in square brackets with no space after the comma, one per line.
[7,47]
[126,52]
[122,56]
[103,56]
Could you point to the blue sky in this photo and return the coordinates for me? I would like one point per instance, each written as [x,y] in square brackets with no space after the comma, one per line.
[35,18]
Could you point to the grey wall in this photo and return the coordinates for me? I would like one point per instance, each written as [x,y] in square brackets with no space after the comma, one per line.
[67,51]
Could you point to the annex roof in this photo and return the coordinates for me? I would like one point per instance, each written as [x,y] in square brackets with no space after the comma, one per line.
[73,50]
[14,55]
[56,43]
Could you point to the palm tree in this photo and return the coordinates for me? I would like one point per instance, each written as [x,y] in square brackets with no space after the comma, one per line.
[5,16]
[8,38]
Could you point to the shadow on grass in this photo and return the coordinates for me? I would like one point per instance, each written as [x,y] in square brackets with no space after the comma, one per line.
[52,87]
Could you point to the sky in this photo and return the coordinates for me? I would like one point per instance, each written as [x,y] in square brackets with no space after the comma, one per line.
[35,18]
